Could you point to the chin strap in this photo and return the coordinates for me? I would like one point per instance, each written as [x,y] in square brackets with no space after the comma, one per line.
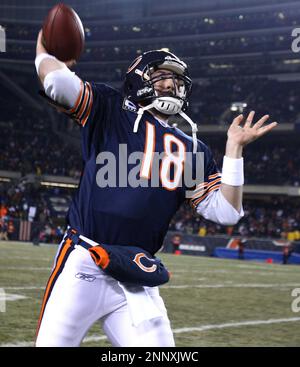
[181,113]
[194,129]
[139,116]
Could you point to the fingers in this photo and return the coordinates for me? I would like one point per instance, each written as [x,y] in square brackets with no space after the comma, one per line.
[40,38]
[70,63]
[266,129]
[257,126]
[249,119]
[261,121]
[237,120]
[40,35]
[40,44]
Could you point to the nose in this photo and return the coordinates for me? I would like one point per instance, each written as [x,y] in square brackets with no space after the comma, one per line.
[168,85]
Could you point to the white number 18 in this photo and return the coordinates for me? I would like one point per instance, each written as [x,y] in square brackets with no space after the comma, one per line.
[176,158]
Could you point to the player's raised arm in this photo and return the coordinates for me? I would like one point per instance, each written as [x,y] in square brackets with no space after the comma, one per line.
[59,44]
[219,198]
[60,84]
[47,63]
[237,138]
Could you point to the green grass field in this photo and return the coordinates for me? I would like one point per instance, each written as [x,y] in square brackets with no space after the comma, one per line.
[211,302]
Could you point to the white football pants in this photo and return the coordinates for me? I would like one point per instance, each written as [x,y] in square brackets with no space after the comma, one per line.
[78,294]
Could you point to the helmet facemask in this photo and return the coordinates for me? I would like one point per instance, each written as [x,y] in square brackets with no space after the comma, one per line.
[139,86]
[166,102]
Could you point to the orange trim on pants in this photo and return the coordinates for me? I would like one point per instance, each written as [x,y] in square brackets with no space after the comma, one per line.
[52,279]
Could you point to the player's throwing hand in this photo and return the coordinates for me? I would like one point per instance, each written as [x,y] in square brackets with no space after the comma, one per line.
[40,48]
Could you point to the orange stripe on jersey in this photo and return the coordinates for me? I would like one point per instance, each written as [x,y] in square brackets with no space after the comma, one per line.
[199,193]
[87,114]
[201,186]
[198,201]
[214,182]
[199,189]
[78,98]
[213,176]
[84,103]
[52,279]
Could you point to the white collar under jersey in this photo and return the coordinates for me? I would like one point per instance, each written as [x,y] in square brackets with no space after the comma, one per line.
[162,122]
[141,111]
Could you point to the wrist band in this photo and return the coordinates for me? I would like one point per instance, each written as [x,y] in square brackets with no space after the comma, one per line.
[40,58]
[233,171]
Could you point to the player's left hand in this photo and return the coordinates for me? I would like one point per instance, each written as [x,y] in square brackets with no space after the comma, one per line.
[243,135]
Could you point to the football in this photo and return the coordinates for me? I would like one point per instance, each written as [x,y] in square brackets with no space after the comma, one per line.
[63,33]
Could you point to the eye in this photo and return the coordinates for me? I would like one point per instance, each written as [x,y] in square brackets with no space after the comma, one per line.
[158,75]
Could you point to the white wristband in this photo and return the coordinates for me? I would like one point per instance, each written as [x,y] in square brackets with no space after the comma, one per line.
[40,58]
[233,171]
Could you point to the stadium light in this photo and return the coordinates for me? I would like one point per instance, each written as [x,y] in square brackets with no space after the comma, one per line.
[2,39]
[292,61]
[238,106]
[59,184]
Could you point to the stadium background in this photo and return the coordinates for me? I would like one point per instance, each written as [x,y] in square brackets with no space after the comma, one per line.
[240,57]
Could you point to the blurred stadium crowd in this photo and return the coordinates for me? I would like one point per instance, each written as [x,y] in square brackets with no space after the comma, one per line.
[279,218]
[274,161]
[238,52]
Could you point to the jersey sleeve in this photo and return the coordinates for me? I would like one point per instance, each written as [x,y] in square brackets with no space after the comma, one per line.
[68,94]
[95,106]
[94,101]
[96,111]
[211,177]
[83,105]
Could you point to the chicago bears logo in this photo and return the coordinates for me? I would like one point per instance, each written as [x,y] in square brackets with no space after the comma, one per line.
[147,269]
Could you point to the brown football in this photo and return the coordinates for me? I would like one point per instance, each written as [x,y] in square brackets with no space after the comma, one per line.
[63,33]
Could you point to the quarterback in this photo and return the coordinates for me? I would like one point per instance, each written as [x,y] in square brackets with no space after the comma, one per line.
[105,269]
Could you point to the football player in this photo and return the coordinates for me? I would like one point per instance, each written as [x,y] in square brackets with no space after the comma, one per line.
[105,268]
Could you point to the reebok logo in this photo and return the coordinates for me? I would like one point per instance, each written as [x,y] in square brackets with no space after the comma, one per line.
[86,277]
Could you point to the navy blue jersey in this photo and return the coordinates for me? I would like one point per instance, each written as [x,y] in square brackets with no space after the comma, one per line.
[125,215]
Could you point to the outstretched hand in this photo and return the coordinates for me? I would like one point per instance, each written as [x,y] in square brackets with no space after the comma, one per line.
[243,135]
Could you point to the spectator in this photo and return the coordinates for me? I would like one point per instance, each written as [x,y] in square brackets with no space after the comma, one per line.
[286,253]
[241,248]
[3,230]
[176,240]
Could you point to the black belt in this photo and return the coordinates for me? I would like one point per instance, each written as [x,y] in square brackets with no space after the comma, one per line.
[73,235]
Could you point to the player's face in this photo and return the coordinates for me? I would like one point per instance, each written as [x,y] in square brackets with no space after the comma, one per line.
[168,86]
